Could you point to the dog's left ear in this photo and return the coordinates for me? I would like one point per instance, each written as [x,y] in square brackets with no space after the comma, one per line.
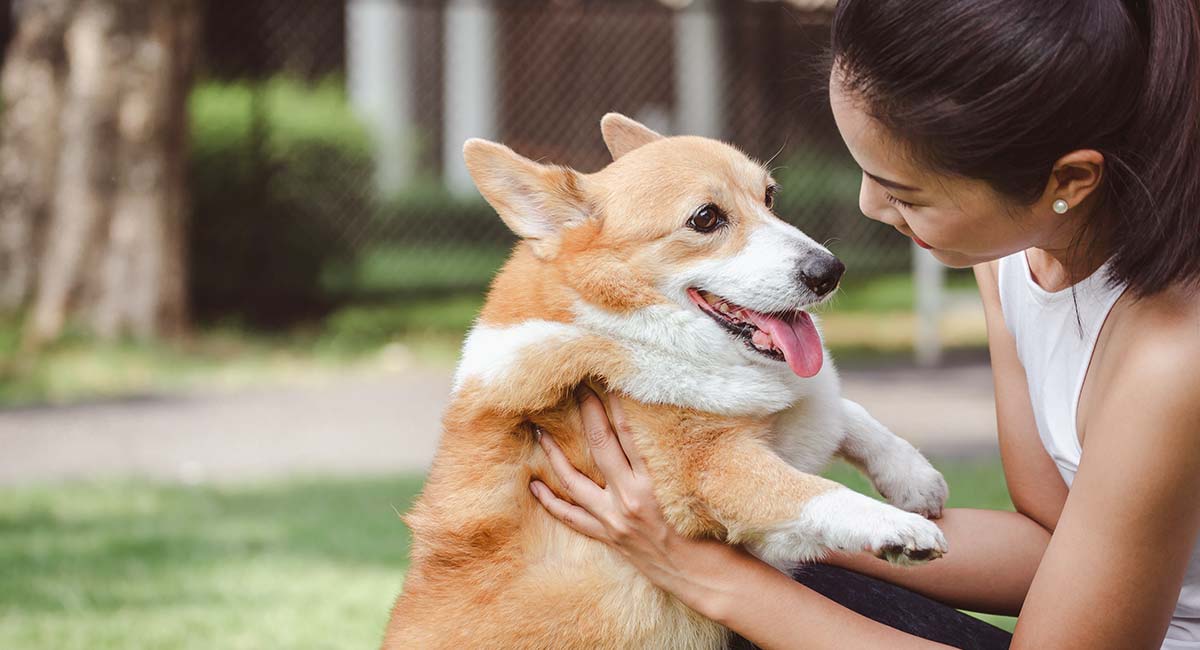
[622,134]
[538,202]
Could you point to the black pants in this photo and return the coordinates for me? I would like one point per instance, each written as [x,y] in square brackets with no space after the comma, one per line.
[898,608]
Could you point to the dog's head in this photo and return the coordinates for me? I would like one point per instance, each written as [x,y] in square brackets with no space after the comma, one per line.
[683,222]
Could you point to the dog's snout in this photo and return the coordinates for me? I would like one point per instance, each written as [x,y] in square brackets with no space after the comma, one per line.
[820,273]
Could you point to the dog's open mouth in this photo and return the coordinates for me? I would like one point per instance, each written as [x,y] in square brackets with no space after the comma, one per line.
[790,337]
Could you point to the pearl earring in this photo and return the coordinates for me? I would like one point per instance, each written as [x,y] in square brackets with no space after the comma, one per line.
[1061,206]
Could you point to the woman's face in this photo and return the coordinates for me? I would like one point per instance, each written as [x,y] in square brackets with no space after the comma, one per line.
[963,222]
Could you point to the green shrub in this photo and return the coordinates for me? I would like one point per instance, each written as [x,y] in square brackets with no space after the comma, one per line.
[278,170]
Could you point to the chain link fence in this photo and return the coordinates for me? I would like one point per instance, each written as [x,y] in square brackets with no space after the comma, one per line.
[326,135]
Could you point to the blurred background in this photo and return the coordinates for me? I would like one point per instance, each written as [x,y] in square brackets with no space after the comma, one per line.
[239,251]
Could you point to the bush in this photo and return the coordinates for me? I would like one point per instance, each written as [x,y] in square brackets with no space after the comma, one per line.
[277,171]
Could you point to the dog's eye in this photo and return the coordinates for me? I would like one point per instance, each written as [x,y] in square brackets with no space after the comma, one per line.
[769,199]
[707,219]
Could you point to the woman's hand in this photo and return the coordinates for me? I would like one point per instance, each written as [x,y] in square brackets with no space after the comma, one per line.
[624,514]
[721,582]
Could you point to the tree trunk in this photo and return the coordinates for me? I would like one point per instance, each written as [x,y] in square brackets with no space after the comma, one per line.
[112,253]
[32,84]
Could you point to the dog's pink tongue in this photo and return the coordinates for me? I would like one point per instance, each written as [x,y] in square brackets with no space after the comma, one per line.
[797,339]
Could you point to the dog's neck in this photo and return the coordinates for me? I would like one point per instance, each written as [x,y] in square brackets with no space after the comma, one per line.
[671,356]
[679,357]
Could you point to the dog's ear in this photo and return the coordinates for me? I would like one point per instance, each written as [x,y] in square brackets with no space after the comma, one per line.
[622,135]
[536,201]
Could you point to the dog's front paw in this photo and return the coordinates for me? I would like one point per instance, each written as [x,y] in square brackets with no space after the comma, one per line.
[850,521]
[923,491]
[913,484]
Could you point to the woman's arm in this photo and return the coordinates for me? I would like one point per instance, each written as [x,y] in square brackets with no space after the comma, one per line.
[720,582]
[993,557]
[730,586]
[1112,574]
[995,554]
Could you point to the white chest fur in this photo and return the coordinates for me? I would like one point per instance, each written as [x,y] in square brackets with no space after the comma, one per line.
[677,358]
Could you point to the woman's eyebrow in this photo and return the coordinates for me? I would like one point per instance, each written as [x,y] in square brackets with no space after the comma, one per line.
[891,184]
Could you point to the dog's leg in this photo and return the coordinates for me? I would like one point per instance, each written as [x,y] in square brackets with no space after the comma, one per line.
[901,474]
[785,516]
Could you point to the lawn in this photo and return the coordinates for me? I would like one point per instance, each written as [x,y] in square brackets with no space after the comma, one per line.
[311,563]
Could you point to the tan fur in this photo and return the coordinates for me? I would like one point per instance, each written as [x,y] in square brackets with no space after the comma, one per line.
[490,567]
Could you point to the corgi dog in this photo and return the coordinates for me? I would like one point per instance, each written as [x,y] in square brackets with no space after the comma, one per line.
[666,278]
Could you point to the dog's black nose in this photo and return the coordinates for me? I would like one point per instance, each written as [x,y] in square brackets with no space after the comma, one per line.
[820,272]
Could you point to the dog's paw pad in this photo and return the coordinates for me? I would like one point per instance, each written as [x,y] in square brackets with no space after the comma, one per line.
[908,555]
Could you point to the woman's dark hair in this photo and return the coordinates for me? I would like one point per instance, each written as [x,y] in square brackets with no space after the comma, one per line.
[998,90]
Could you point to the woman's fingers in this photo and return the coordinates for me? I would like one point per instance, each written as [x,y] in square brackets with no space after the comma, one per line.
[571,515]
[580,488]
[624,434]
[604,444]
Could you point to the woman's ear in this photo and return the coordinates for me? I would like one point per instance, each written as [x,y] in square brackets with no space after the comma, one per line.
[1075,177]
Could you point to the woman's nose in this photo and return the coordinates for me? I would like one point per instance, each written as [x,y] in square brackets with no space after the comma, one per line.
[874,206]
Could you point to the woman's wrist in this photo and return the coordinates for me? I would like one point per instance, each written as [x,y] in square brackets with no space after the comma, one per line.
[708,575]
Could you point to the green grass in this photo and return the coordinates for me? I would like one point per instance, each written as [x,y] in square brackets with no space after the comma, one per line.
[305,564]
[310,563]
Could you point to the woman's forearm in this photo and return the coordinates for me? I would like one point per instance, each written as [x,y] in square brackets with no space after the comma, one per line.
[732,587]
[993,557]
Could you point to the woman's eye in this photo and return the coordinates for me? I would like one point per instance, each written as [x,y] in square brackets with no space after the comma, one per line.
[895,201]
[707,219]
[769,200]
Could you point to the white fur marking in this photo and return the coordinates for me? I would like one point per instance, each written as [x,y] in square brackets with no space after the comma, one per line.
[843,519]
[489,352]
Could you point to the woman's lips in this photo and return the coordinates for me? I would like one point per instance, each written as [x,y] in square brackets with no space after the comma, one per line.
[921,243]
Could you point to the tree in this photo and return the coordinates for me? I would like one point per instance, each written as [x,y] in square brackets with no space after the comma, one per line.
[93,149]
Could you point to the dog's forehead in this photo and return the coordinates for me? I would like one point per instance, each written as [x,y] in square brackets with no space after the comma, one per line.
[683,166]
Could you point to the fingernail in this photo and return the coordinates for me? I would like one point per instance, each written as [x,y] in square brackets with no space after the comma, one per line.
[533,487]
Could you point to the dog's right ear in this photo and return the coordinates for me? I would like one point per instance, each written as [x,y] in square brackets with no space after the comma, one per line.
[536,201]
[622,134]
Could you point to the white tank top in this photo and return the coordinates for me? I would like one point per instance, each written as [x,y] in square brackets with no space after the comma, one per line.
[1056,333]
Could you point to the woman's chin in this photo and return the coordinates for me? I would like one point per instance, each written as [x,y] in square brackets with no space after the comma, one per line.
[956,260]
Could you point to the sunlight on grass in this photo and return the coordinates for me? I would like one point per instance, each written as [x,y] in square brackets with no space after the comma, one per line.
[306,564]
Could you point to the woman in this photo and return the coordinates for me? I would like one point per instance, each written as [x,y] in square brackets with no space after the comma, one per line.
[1054,146]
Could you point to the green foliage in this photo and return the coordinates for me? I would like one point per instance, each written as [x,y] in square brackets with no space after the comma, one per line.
[425,213]
[415,270]
[807,183]
[893,292]
[364,328]
[276,169]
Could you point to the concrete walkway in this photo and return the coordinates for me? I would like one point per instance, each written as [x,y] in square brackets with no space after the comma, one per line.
[383,423]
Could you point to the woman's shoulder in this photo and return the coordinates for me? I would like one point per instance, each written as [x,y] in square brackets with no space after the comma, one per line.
[1169,318]
[1157,340]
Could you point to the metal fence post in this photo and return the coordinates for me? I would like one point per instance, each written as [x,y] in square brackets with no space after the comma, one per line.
[380,79]
[698,70]
[929,279]
[470,85]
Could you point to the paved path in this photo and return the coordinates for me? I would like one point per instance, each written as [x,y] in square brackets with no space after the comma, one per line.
[382,423]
